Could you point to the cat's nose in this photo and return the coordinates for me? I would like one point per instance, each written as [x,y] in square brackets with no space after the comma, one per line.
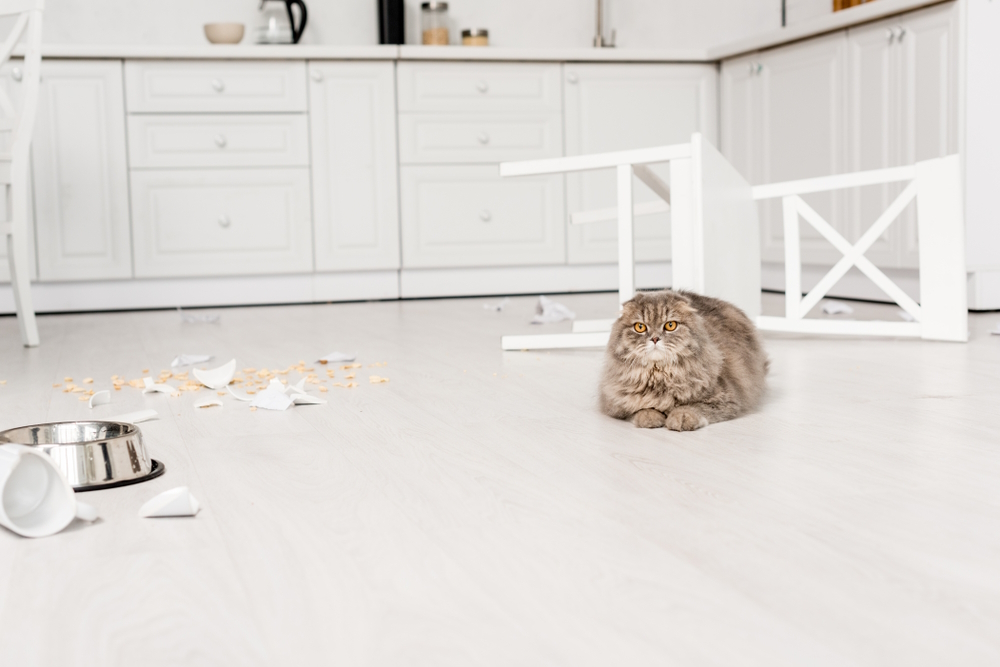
[655,340]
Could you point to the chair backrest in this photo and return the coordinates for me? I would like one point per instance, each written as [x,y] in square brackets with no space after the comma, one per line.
[27,28]
[942,313]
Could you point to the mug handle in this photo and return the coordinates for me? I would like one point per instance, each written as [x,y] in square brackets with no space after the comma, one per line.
[85,512]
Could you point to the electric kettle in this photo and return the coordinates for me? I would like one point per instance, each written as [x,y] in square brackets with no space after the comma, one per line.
[276,24]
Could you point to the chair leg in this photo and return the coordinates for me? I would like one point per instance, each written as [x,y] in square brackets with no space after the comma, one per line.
[17,254]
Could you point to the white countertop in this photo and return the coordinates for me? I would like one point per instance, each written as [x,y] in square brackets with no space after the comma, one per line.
[818,26]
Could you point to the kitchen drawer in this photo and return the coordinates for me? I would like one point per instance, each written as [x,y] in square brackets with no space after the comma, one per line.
[209,140]
[215,86]
[468,216]
[430,138]
[479,87]
[221,222]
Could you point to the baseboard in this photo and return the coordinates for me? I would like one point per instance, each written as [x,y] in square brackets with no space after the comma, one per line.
[422,283]
[194,292]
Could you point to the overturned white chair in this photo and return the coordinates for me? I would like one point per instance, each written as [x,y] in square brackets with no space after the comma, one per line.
[716,240]
[14,160]
[715,237]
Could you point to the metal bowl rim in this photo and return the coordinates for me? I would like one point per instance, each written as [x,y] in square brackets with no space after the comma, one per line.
[129,430]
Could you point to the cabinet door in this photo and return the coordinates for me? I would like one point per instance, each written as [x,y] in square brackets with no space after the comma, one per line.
[801,111]
[619,107]
[354,173]
[928,101]
[10,76]
[739,99]
[875,125]
[80,172]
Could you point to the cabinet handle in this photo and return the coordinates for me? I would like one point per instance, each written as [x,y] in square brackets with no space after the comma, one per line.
[900,32]
[218,85]
[484,138]
[890,34]
[482,86]
[572,77]
[759,69]
[224,221]
[220,140]
[316,75]
[16,74]
[753,68]
[485,215]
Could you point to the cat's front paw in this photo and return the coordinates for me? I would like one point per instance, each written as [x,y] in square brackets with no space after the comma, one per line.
[649,419]
[685,418]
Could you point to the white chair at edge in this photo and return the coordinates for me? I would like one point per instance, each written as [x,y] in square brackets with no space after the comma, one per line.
[716,240]
[15,155]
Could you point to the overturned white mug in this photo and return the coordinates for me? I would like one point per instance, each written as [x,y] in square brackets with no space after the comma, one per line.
[35,498]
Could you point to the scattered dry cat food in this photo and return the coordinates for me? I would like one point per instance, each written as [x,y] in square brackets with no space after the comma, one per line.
[350,376]
[375,379]
[88,380]
[323,389]
[57,384]
[67,379]
[348,367]
[349,385]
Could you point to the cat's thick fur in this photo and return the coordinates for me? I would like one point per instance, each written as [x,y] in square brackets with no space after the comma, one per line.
[710,368]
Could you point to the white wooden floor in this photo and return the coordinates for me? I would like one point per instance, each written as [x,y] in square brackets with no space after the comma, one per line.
[478,510]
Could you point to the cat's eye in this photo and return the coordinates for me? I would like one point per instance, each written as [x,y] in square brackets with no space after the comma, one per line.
[670,326]
[640,327]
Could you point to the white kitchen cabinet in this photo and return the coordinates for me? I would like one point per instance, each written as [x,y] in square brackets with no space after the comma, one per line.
[80,172]
[486,87]
[477,138]
[352,115]
[464,216]
[612,107]
[221,222]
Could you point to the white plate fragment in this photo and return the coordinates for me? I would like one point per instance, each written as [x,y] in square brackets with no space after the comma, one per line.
[216,378]
[102,397]
[306,399]
[191,318]
[153,387]
[498,307]
[548,311]
[836,308]
[175,502]
[239,395]
[335,357]
[209,403]
[297,388]
[135,417]
[189,360]
[272,399]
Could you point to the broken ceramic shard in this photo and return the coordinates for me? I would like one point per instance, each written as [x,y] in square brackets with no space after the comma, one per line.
[272,399]
[497,307]
[239,396]
[335,357]
[135,417]
[836,308]
[216,378]
[208,403]
[191,318]
[175,502]
[548,311]
[102,397]
[297,388]
[306,399]
[153,387]
[189,360]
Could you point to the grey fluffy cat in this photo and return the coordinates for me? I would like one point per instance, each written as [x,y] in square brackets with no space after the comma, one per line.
[682,361]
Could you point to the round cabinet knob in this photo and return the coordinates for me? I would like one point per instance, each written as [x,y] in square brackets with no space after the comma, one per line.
[482,86]
[485,215]
[572,77]
[224,221]
[16,74]
[759,68]
[900,33]
[218,85]
[890,34]
[220,140]
[483,138]
[316,75]
[753,68]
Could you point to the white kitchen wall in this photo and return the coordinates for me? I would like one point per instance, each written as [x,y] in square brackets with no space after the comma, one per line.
[538,23]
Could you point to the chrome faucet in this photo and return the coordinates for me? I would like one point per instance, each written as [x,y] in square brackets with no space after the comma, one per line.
[599,41]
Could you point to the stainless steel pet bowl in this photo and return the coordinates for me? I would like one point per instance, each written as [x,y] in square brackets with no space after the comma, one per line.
[92,454]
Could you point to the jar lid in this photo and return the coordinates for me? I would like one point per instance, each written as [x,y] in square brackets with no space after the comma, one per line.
[435,6]
[475,32]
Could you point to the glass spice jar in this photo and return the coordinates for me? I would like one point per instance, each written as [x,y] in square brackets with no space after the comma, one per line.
[434,23]
[475,37]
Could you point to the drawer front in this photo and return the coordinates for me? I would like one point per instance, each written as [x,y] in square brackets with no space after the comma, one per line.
[479,87]
[221,222]
[468,216]
[439,138]
[215,86]
[245,140]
